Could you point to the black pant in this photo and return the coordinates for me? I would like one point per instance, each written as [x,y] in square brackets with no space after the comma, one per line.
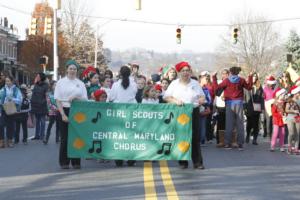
[196,149]
[209,128]
[63,156]
[252,123]
[268,125]
[53,119]
[21,120]
[221,119]
[9,123]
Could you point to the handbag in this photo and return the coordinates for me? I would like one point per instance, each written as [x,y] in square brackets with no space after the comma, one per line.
[10,108]
[30,123]
[256,106]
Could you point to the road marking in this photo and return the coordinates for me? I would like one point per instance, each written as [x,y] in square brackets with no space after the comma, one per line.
[150,192]
[167,180]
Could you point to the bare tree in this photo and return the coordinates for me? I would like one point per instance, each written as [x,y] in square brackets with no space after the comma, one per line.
[79,33]
[257,48]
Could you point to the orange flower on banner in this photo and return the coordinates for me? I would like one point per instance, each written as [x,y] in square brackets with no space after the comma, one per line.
[79,117]
[183,146]
[183,119]
[78,143]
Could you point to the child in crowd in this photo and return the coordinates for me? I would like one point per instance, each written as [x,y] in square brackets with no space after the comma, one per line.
[164,86]
[53,115]
[106,83]
[22,117]
[292,109]
[278,122]
[150,95]
[141,83]
[93,83]
[100,95]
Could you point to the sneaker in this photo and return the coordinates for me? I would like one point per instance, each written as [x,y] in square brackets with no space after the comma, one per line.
[183,166]
[10,144]
[282,149]
[241,148]
[227,146]
[201,167]
[76,167]
[119,163]
[296,151]
[35,138]
[247,139]
[65,167]
[131,163]
[272,149]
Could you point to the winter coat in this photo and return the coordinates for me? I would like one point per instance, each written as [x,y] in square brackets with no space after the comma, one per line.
[277,113]
[233,87]
[39,98]
[257,97]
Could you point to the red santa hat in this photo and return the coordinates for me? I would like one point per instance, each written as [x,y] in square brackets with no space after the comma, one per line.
[295,89]
[298,81]
[181,65]
[98,93]
[271,80]
[88,70]
[278,92]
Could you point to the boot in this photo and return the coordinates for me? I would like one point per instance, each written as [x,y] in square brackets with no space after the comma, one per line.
[221,139]
[2,145]
[234,140]
[10,144]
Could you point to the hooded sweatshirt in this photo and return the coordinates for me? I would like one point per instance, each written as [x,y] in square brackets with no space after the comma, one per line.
[233,88]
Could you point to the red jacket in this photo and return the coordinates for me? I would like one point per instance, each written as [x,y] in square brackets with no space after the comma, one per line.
[277,114]
[233,90]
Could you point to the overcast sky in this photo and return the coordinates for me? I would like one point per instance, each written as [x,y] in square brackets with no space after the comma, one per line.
[123,35]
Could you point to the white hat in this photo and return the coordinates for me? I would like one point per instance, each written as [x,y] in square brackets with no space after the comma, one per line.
[279,91]
[271,80]
[295,89]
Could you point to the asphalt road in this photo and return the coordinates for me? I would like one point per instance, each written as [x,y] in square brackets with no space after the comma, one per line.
[32,172]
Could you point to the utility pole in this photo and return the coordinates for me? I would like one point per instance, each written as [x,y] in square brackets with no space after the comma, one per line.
[96,46]
[55,55]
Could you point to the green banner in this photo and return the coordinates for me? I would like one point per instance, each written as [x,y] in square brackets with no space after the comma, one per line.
[121,131]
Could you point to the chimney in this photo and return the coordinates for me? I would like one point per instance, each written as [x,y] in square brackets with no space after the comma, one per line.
[5,22]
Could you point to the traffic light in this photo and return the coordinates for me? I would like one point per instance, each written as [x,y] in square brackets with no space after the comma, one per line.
[235,35]
[178,35]
[48,26]
[43,60]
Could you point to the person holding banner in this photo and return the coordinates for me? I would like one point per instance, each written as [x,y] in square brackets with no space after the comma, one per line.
[68,89]
[124,91]
[187,91]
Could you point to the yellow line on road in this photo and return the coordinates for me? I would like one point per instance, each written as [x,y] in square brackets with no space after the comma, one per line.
[167,180]
[150,192]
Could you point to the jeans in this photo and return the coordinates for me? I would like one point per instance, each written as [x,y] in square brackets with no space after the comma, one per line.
[202,128]
[40,126]
[234,119]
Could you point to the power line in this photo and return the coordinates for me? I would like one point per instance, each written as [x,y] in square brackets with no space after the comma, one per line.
[14,9]
[163,23]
